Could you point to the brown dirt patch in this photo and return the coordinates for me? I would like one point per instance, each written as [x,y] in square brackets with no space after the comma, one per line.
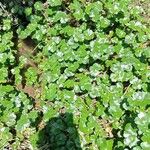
[145,5]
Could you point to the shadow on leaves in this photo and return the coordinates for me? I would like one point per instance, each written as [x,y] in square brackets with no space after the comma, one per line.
[59,134]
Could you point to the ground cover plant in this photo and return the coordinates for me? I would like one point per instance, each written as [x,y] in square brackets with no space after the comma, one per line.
[74,74]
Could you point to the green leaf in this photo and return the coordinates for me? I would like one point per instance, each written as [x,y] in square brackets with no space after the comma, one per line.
[145,141]
[93,10]
[38,6]
[6,88]
[4,74]
[6,24]
[22,123]
[5,136]
[104,22]
[54,2]
[50,92]
[89,34]
[130,136]
[61,16]
[78,11]
[120,33]
[28,11]
[95,69]
[31,76]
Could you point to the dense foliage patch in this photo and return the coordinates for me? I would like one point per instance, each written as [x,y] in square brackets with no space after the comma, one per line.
[74,74]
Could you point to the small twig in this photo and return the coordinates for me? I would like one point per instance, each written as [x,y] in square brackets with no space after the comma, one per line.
[2,7]
[36,46]
[126,90]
